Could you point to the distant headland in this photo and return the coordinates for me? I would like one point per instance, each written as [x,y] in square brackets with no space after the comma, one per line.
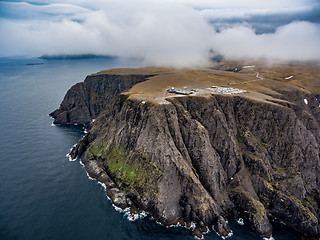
[75,56]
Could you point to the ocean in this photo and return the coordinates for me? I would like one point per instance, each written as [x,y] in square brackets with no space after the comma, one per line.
[42,194]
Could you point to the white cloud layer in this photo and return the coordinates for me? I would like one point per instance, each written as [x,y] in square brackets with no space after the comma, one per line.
[296,41]
[159,32]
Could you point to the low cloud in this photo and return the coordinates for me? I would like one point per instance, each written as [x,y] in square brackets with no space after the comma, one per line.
[296,41]
[159,32]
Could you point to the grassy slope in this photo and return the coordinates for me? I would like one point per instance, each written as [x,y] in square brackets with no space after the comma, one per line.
[304,76]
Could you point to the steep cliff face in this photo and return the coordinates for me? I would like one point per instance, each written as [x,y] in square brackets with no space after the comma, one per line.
[85,100]
[208,159]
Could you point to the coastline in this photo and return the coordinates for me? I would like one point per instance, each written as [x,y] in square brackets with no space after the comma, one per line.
[117,151]
[124,205]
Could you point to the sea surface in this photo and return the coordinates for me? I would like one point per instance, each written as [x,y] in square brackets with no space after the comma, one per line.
[42,194]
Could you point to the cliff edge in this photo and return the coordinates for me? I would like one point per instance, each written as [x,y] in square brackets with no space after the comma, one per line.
[206,157]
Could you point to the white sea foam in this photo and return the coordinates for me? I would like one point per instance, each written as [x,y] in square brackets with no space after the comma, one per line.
[240,221]
[120,209]
[99,183]
[52,124]
[195,237]
[159,223]
[70,158]
[192,226]
[68,154]
[81,163]
[270,238]
[126,211]
[175,225]
[305,101]
[130,216]
[230,234]
[208,230]
[134,216]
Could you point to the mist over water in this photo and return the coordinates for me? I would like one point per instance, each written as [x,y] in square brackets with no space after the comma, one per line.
[42,194]
[179,33]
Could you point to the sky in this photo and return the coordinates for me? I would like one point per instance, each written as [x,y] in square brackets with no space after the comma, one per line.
[180,33]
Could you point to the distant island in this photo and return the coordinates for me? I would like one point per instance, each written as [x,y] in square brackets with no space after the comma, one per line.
[198,147]
[74,56]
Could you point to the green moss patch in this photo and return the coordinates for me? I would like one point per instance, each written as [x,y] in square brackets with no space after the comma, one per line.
[125,175]
[138,175]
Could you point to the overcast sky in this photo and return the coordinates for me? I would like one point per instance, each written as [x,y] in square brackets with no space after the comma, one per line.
[163,32]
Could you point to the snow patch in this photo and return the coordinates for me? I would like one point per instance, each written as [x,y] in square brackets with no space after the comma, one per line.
[305,101]
[288,77]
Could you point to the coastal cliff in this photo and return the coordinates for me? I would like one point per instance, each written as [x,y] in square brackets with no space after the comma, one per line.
[202,159]
[85,100]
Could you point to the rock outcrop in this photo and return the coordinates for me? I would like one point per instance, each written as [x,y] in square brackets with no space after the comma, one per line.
[85,100]
[202,160]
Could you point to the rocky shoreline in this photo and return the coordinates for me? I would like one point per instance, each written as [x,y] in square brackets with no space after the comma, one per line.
[201,159]
[121,201]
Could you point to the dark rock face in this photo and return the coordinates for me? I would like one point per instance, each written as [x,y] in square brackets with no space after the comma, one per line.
[203,160]
[85,100]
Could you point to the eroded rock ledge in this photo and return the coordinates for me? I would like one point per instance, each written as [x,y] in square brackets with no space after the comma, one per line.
[203,159]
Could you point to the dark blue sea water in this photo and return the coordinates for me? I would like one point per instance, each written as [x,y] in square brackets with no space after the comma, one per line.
[42,194]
